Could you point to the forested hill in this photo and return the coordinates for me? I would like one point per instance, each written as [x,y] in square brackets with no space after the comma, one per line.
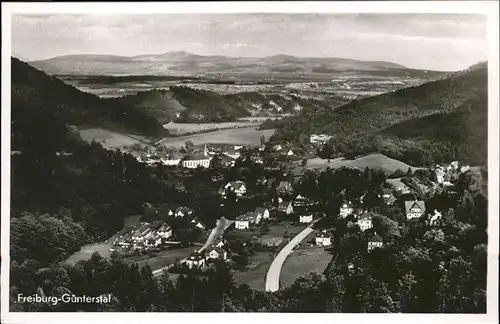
[436,121]
[35,90]
[195,105]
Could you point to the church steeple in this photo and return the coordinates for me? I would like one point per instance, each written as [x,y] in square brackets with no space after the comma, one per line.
[205,151]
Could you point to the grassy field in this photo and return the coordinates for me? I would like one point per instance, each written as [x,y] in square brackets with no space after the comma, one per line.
[109,139]
[254,274]
[373,161]
[131,221]
[162,259]
[303,261]
[243,136]
[181,128]
[87,250]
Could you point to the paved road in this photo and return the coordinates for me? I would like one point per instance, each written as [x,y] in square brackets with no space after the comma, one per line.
[273,274]
[221,226]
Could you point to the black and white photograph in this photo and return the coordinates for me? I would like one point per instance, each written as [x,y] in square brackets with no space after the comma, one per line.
[270,157]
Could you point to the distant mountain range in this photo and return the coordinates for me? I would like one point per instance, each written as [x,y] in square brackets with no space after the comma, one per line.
[436,121]
[184,63]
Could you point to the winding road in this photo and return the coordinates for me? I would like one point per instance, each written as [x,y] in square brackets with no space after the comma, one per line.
[273,275]
[221,226]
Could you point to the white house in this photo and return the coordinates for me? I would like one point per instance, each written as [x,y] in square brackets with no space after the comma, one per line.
[305,219]
[277,147]
[238,187]
[263,212]
[364,222]
[182,211]
[300,201]
[319,139]
[414,209]
[323,239]
[285,207]
[289,153]
[232,154]
[171,161]
[197,223]
[216,253]
[195,260]
[165,231]
[346,209]
[375,242]
[439,173]
[243,222]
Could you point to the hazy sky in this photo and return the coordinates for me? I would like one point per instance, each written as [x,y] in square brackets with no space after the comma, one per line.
[431,41]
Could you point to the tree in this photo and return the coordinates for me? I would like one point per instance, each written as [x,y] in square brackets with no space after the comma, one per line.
[189,146]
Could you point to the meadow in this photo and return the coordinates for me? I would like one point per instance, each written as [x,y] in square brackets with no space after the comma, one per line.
[243,136]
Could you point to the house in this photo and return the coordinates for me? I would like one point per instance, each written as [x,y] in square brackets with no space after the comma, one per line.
[364,221]
[165,231]
[277,148]
[197,223]
[172,160]
[289,153]
[388,197]
[195,260]
[284,187]
[323,239]
[464,169]
[182,211]
[215,253]
[300,201]
[227,160]
[414,209]
[238,187]
[439,173]
[305,219]
[141,233]
[375,242]
[319,139]
[232,153]
[263,212]
[285,207]
[346,209]
[241,223]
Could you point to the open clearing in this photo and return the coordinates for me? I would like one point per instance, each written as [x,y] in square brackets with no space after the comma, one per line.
[181,128]
[373,161]
[254,275]
[244,136]
[87,250]
[162,259]
[109,139]
[303,261]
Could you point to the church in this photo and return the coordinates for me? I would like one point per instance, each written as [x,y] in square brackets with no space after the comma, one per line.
[192,161]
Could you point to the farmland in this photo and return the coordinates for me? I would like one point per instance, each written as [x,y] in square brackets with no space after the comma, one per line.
[109,139]
[374,161]
[86,252]
[303,261]
[161,259]
[181,128]
[244,136]
[254,274]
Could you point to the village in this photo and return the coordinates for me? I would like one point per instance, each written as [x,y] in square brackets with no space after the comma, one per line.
[285,210]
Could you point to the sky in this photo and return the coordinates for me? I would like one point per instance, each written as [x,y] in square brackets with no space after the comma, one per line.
[423,41]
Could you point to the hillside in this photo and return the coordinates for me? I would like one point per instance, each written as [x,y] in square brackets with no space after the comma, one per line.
[186,104]
[435,121]
[34,90]
[183,63]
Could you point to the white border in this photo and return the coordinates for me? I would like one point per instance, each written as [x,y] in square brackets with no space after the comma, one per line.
[489,8]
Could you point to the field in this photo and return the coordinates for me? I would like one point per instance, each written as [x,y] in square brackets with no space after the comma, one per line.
[303,261]
[87,250]
[181,128]
[373,161]
[254,274]
[109,139]
[131,221]
[162,259]
[244,136]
